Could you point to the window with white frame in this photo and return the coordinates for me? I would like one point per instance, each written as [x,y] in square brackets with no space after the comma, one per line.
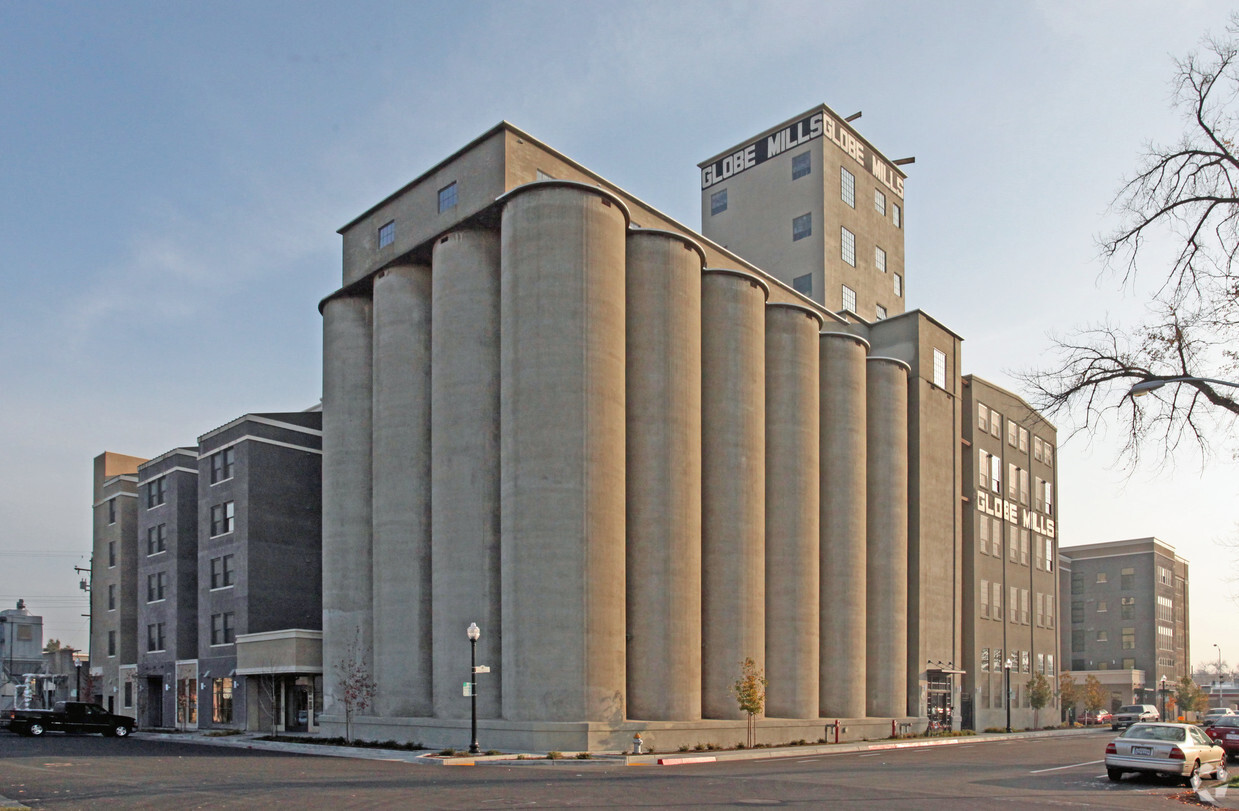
[898,284]
[847,187]
[982,469]
[849,299]
[879,312]
[223,517]
[156,587]
[1023,440]
[156,492]
[222,574]
[940,368]
[387,234]
[847,246]
[156,539]
[111,511]
[802,165]
[222,630]
[982,418]
[985,598]
[995,424]
[983,534]
[898,215]
[222,463]
[155,637]
[879,258]
[879,202]
[802,226]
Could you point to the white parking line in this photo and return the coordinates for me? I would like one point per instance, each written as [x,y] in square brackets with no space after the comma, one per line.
[1072,766]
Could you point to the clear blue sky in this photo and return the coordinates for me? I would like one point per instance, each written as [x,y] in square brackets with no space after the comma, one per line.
[172,176]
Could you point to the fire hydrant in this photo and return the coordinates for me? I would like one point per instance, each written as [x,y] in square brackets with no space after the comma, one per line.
[636,743]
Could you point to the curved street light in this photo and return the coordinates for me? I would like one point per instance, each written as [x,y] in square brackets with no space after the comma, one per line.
[1146,386]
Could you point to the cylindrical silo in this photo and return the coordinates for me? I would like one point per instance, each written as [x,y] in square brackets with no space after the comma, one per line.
[347,606]
[793,537]
[843,515]
[663,377]
[887,529]
[733,475]
[464,441]
[562,452]
[401,431]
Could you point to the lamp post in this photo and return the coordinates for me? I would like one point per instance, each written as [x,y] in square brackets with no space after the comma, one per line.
[1219,673]
[1145,386]
[1163,692]
[77,666]
[473,633]
[1006,673]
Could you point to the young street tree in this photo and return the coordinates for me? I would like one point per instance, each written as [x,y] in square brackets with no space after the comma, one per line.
[750,691]
[356,684]
[1094,695]
[1040,692]
[1068,695]
[1185,195]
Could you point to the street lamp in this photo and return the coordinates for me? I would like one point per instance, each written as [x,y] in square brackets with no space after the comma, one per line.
[77,666]
[1219,673]
[1163,692]
[1006,673]
[1145,386]
[473,633]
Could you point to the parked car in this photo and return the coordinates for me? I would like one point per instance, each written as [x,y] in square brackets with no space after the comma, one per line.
[70,716]
[1218,712]
[1099,717]
[1133,714]
[1224,730]
[1181,750]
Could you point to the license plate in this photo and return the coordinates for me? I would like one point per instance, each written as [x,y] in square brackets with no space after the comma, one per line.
[1232,736]
[1142,750]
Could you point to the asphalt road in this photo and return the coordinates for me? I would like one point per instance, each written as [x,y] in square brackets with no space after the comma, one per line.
[82,771]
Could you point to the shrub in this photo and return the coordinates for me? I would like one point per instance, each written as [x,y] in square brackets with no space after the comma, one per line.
[583,755]
[683,748]
[553,755]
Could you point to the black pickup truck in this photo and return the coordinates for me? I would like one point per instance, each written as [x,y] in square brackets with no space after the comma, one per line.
[70,716]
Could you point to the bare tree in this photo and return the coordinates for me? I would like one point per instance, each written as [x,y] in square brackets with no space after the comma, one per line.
[1185,195]
[356,683]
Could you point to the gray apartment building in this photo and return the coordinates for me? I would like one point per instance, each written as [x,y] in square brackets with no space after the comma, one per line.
[113,575]
[1126,607]
[1010,609]
[154,692]
[635,455]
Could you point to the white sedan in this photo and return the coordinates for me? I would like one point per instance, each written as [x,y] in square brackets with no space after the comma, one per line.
[1182,750]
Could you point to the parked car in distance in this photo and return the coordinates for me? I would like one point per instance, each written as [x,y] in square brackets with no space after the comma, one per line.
[70,716]
[1180,750]
[1133,714]
[1099,717]
[1224,730]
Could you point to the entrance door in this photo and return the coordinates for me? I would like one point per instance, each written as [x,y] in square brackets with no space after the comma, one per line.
[154,702]
[298,706]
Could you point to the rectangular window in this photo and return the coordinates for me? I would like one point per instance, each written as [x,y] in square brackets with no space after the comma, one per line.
[1102,636]
[898,284]
[849,299]
[983,537]
[879,202]
[1129,664]
[879,258]
[156,586]
[1049,555]
[995,424]
[1013,604]
[156,492]
[1013,480]
[1024,440]
[847,246]
[803,284]
[1012,433]
[847,187]
[222,631]
[154,637]
[111,554]
[111,643]
[111,511]
[1049,497]
[985,599]
[222,464]
[223,517]
[1101,577]
[982,470]
[1127,608]
[718,202]
[1049,611]
[156,539]
[897,213]
[1049,664]
[995,474]
[997,607]
[221,572]
[1037,448]
[940,368]
[1077,640]
[1077,611]
[1024,606]
[1127,579]
[222,705]
[387,234]
[1025,663]
[802,165]
[1024,487]
[802,226]
[111,597]
[879,312]
[984,660]
[128,698]
[447,197]
[982,418]
[1047,453]
[1024,546]
[1129,639]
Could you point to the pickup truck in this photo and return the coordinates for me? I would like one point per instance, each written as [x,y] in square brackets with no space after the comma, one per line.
[70,716]
[1133,714]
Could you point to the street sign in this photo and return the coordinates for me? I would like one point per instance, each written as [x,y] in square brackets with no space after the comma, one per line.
[482,669]
[468,688]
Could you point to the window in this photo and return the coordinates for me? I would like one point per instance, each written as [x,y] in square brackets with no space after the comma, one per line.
[1041,663]
[156,586]
[111,597]
[1014,545]
[1047,453]
[803,284]
[1101,577]
[897,214]
[849,299]
[387,234]
[802,226]
[111,511]
[222,518]
[984,660]
[847,246]
[802,165]
[1077,641]
[995,424]
[1077,611]
[1012,434]
[940,368]
[447,197]
[898,284]
[221,465]
[983,537]
[1102,608]
[1049,664]
[111,554]
[718,202]
[1127,608]
[879,258]
[1049,497]
[985,599]
[1077,582]
[1129,664]
[879,202]
[1013,480]
[221,572]
[222,631]
[156,492]
[128,698]
[154,637]
[222,705]
[541,175]
[879,312]
[1102,636]
[1049,554]
[1024,606]
[1129,639]
[1049,611]
[1013,604]
[1024,546]
[1024,487]
[847,187]
[997,603]
[1025,664]
[1127,579]
[111,643]
[995,474]
[996,537]
[982,418]
[1037,448]
[156,539]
